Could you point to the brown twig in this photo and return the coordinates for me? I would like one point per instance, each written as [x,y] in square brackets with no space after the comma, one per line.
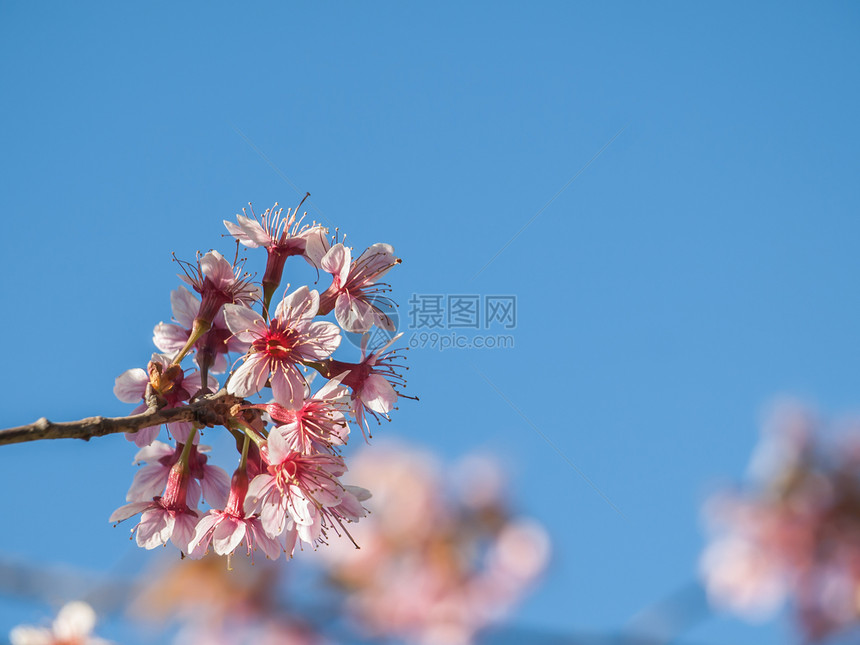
[207,411]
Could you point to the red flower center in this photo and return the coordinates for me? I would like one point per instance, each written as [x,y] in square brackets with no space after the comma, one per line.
[278,343]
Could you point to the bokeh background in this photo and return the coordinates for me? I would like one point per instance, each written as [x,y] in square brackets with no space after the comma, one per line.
[668,189]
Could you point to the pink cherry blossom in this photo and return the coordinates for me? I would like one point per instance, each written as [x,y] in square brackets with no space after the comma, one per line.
[355,293]
[281,236]
[303,489]
[229,528]
[793,534]
[372,381]
[225,531]
[166,518]
[209,481]
[170,383]
[150,480]
[291,336]
[319,424]
[212,347]
[273,231]
[218,283]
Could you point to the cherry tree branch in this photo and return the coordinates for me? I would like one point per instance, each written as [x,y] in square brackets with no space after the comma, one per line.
[207,411]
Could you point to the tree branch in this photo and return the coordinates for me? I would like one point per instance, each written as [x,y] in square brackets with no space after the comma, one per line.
[207,411]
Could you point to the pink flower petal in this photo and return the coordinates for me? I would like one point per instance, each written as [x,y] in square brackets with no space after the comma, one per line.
[310,532]
[155,528]
[300,509]
[333,389]
[218,270]
[289,387]
[216,486]
[379,259]
[350,506]
[271,546]
[250,377]
[199,542]
[228,535]
[257,490]
[337,262]
[273,518]
[183,530]
[185,306]
[301,305]
[148,482]
[219,365]
[169,338]
[278,444]
[326,339]
[248,232]
[382,319]
[354,314]
[289,536]
[144,436]
[378,394]
[192,382]
[180,430]
[245,323]
[130,386]
[127,511]
[152,453]
[192,494]
[316,245]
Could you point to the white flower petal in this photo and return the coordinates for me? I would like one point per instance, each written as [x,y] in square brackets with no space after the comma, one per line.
[74,621]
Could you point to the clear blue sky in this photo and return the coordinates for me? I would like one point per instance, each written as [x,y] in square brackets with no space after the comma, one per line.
[704,263]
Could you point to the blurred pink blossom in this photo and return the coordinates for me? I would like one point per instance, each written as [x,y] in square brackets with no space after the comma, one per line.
[795,533]
[73,626]
[433,569]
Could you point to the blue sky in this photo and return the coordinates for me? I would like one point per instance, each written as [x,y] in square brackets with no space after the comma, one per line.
[704,263]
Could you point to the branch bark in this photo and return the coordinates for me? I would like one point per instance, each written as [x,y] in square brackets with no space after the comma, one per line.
[207,411]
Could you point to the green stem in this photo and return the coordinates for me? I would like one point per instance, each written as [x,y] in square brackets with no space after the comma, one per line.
[186,449]
[199,328]
[244,461]
[268,292]
[251,434]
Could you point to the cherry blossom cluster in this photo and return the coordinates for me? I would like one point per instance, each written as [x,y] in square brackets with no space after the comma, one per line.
[442,557]
[795,533]
[289,427]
